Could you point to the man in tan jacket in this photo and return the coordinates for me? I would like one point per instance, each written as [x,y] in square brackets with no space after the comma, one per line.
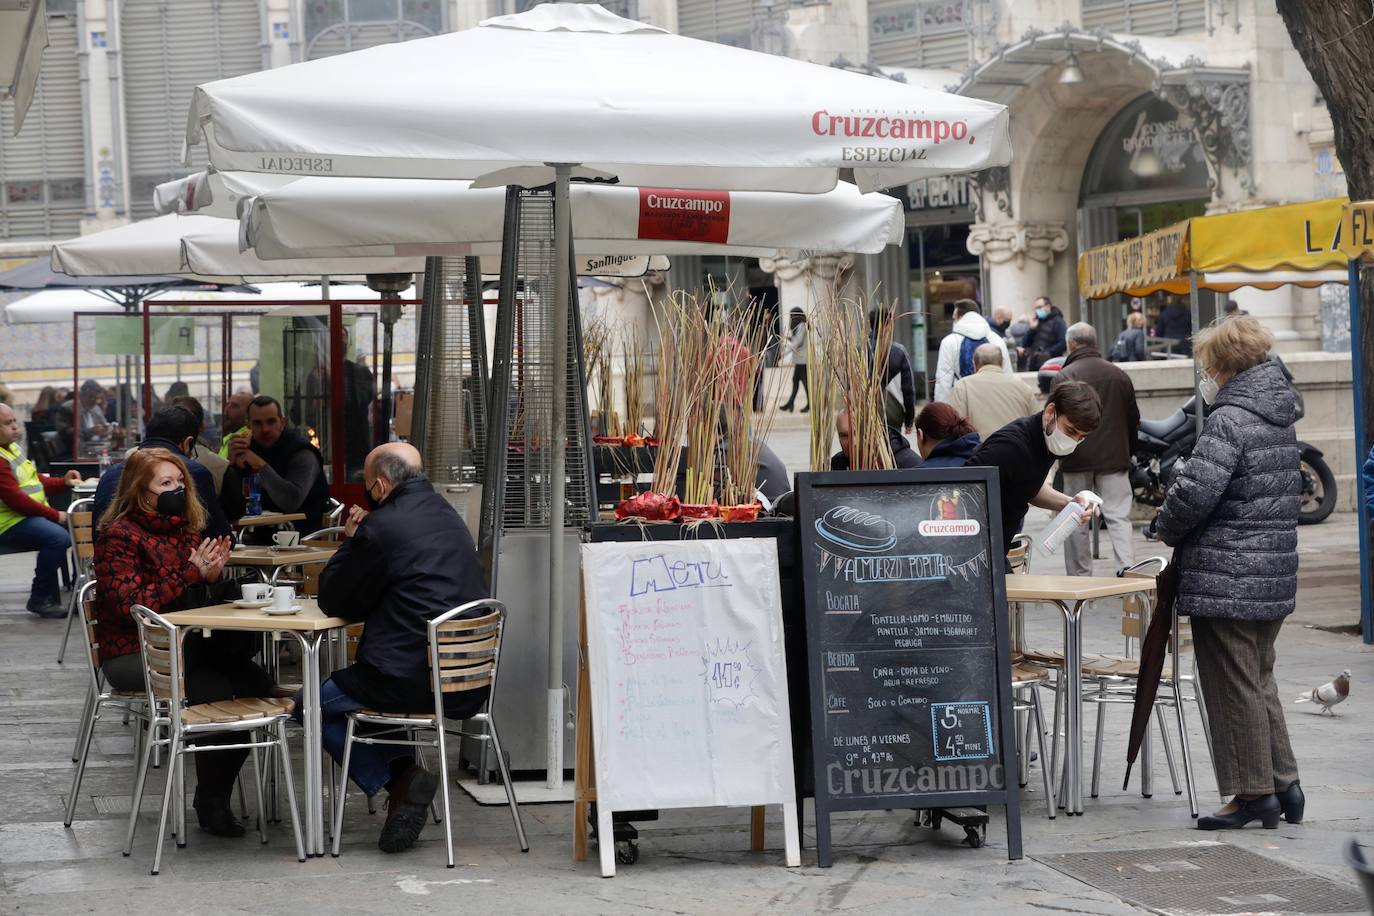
[991,398]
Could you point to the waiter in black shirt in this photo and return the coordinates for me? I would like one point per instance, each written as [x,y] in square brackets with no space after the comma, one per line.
[1024,450]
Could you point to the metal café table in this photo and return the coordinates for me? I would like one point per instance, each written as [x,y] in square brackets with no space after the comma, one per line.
[309,626]
[268,557]
[1070,594]
[269,518]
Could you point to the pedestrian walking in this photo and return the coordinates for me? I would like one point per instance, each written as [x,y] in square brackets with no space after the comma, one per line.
[796,345]
[1232,515]
[991,397]
[1102,462]
[971,330]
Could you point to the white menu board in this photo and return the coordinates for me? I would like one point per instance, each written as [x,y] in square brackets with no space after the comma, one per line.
[688,682]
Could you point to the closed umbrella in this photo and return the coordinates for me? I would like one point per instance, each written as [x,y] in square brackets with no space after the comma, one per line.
[1153,648]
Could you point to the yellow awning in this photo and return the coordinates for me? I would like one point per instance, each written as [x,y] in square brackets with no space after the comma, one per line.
[1295,244]
[1357,229]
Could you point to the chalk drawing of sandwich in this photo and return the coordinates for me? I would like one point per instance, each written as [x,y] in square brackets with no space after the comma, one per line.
[856,529]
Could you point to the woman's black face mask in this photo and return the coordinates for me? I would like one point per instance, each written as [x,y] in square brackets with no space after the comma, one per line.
[172,503]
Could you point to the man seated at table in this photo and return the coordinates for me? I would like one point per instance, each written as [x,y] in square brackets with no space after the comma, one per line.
[290,470]
[27,522]
[172,428]
[234,420]
[1024,450]
[84,412]
[903,454]
[407,561]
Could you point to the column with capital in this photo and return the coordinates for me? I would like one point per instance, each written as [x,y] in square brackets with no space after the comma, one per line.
[805,282]
[1017,255]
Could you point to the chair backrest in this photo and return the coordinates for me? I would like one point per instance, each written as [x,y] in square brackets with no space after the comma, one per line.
[1018,554]
[162,663]
[464,651]
[85,604]
[330,535]
[81,527]
[333,513]
[1136,609]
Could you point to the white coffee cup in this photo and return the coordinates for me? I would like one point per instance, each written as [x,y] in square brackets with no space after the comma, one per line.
[256,591]
[286,538]
[283,598]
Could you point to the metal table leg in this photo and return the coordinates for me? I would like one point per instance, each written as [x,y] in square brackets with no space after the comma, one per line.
[312,722]
[1073,706]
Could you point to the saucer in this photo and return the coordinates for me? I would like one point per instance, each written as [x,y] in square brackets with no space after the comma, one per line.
[286,547]
[250,603]
[283,611]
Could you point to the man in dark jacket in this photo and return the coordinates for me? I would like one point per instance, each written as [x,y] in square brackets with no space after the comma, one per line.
[1102,462]
[404,563]
[1024,450]
[1176,322]
[290,470]
[175,429]
[1046,339]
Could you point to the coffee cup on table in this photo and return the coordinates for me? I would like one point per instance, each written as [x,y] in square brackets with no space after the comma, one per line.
[283,598]
[286,538]
[256,591]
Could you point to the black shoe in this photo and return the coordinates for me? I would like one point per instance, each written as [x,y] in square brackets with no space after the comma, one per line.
[217,817]
[47,608]
[406,809]
[806,409]
[787,407]
[1264,809]
[1291,802]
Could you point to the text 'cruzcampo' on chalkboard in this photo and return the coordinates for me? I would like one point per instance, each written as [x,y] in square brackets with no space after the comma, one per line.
[657,574]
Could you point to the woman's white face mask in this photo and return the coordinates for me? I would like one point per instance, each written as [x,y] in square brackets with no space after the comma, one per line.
[1208,387]
[1057,441]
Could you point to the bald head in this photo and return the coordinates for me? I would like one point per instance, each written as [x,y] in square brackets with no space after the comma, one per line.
[388,466]
[1001,315]
[842,430]
[1080,335]
[988,354]
[9,426]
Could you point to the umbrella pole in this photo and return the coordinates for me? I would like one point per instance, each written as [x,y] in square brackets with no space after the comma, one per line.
[562,233]
[1201,408]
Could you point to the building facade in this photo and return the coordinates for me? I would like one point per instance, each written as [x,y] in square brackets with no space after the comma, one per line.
[1126,115]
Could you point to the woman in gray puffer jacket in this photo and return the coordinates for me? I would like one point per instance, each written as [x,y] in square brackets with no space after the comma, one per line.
[1231,512]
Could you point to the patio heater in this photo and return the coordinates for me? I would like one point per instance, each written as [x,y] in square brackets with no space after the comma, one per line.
[390,286]
[536,454]
[450,411]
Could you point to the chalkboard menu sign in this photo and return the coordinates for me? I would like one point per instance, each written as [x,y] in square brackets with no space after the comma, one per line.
[903,573]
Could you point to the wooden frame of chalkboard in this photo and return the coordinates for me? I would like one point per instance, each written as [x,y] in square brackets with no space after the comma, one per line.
[906,618]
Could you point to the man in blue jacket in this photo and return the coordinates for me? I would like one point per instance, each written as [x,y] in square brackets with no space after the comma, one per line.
[175,429]
[404,563]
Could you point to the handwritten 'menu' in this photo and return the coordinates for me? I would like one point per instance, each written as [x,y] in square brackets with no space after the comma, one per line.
[655,574]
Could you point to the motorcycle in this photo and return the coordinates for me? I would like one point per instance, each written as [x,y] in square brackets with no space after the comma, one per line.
[1161,444]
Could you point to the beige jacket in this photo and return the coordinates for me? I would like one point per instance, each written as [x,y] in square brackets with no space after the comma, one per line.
[991,399]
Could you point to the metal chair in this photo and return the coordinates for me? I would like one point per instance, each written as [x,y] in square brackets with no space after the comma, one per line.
[99,697]
[333,513]
[163,671]
[81,529]
[1026,681]
[330,535]
[464,654]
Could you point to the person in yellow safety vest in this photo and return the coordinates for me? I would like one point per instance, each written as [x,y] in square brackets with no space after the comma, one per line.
[27,522]
[235,419]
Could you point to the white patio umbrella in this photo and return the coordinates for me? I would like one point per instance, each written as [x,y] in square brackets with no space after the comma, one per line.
[57,305]
[525,99]
[325,217]
[207,248]
[200,246]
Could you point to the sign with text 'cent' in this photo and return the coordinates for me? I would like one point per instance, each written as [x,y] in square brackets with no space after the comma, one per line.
[906,635]
[688,683]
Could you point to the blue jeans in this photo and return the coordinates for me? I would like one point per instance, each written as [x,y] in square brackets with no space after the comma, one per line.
[51,541]
[370,764]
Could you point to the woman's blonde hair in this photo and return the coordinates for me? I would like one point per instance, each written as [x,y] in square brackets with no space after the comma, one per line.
[139,470]
[1229,346]
[1135,320]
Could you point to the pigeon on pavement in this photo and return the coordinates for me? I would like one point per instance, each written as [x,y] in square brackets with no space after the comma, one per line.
[1329,694]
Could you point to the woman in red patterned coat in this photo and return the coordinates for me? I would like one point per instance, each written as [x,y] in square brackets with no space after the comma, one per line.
[150,551]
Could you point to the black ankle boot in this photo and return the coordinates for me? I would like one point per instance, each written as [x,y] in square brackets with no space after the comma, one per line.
[1264,809]
[1292,801]
[217,817]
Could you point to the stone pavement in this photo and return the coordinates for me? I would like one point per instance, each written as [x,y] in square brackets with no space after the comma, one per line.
[691,862]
